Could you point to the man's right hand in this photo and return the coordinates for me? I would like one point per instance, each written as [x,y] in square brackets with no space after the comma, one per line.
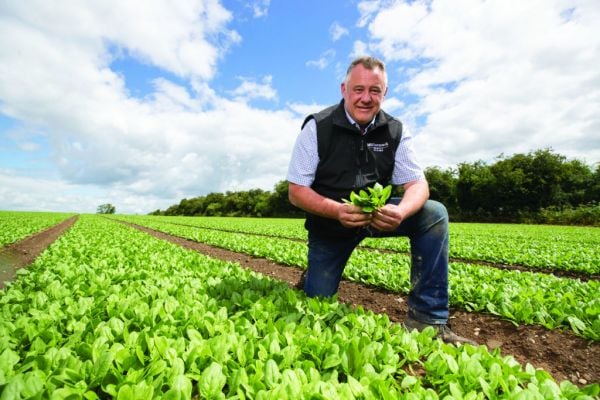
[351,216]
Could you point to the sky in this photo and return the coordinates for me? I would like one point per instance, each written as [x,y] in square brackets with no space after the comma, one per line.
[142,103]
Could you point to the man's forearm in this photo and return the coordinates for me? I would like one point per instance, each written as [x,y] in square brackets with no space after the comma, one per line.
[415,195]
[310,201]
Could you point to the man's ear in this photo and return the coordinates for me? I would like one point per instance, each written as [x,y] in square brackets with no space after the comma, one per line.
[385,91]
[342,88]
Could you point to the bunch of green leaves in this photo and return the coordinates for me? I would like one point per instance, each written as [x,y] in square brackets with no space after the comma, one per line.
[371,199]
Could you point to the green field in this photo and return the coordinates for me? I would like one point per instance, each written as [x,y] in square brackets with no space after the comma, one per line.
[110,312]
[16,225]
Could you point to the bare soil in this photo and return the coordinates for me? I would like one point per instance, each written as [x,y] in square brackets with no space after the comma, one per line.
[562,354]
[24,252]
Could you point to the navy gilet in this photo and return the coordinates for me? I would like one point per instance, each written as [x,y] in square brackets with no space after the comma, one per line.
[350,161]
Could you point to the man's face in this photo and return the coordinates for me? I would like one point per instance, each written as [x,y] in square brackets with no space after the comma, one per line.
[363,93]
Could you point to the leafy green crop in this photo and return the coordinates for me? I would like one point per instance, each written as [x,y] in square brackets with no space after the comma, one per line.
[522,297]
[372,200]
[16,225]
[543,247]
[110,312]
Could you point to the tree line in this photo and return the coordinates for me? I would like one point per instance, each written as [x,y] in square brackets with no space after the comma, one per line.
[250,203]
[541,186]
[522,188]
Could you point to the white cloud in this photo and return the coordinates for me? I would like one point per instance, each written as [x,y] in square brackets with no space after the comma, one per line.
[323,61]
[138,154]
[392,105]
[367,9]
[260,8]
[496,77]
[24,193]
[29,146]
[302,110]
[360,48]
[337,31]
[249,89]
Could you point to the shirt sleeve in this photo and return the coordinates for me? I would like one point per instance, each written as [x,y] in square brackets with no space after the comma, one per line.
[305,156]
[406,165]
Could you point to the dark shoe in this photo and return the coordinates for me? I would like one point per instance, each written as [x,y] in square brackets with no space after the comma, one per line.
[443,331]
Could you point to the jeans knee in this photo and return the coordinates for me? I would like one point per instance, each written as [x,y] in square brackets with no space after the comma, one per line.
[435,212]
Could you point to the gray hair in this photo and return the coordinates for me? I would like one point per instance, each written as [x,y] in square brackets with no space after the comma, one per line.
[369,63]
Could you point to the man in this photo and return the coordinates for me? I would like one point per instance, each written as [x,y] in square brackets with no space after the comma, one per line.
[351,146]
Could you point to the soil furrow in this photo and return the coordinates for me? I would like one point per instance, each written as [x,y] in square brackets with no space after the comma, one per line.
[562,354]
[24,252]
[560,273]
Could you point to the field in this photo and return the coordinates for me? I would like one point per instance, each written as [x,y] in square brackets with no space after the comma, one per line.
[138,307]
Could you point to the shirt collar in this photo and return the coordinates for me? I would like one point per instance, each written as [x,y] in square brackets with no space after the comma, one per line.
[353,122]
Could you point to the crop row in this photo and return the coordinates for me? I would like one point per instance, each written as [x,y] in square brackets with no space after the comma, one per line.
[522,297]
[107,311]
[16,225]
[567,248]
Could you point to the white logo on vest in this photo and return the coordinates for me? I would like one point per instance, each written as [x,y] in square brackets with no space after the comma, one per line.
[378,147]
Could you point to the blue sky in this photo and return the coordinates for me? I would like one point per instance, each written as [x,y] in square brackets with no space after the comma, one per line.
[141,104]
[281,44]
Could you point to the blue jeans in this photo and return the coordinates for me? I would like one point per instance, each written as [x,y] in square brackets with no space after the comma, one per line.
[428,234]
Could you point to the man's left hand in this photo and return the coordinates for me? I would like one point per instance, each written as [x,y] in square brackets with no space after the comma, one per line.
[387,218]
